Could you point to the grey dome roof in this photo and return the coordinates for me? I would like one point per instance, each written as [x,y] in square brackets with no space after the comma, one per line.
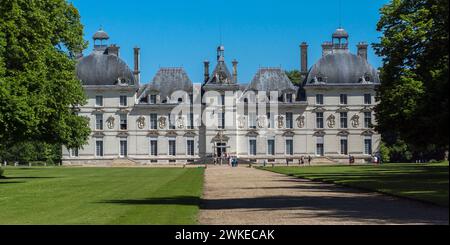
[101,35]
[271,79]
[342,68]
[100,68]
[340,33]
[169,80]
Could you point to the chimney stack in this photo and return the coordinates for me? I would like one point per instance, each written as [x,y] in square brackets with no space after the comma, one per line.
[206,68]
[327,48]
[304,58]
[362,50]
[137,72]
[235,63]
[113,50]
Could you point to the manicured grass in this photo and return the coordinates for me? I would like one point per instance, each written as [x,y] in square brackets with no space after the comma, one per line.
[426,182]
[100,195]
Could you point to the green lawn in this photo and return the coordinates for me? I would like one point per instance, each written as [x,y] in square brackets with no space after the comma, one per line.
[100,196]
[423,182]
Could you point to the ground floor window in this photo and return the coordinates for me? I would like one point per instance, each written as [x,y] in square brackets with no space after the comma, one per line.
[320,151]
[190,147]
[154,147]
[289,147]
[271,147]
[73,152]
[368,146]
[99,148]
[123,148]
[252,146]
[172,148]
[344,146]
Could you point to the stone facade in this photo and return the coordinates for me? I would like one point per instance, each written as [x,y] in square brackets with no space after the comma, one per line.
[269,120]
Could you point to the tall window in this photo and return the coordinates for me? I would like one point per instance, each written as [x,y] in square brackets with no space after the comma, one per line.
[222,99]
[289,120]
[367,99]
[123,148]
[271,147]
[190,147]
[368,146]
[172,147]
[99,148]
[170,121]
[123,122]
[344,145]
[99,121]
[343,99]
[320,146]
[367,119]
[191,121]
[191,98]
[319,119]
[123,100]
[252,120]
[319,99]
[153,121]
[152,99]
[221,120]
[289,98]
[344,120]
[289,147]
[73,152]
[252,146]
[154,147]
[270,120]
[98,100]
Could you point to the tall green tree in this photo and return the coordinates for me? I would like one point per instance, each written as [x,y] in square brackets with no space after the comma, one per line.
[39,91]
[295,76]
[413,95]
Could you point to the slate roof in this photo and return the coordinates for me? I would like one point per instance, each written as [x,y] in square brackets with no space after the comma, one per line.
[169,80]
[342,68]
[100,68]
[271,79]
[221,69]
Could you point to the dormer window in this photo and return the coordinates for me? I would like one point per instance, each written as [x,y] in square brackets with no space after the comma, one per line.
[152,99]
[180,100]
[289,98]
[99,101]
[123,81]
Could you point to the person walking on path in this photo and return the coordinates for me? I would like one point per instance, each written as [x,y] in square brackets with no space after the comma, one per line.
[309,160]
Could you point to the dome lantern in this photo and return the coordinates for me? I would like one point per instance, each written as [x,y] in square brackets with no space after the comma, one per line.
[340,39]
[100,39]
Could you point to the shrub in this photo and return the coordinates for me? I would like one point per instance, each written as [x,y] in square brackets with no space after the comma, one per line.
[1,172]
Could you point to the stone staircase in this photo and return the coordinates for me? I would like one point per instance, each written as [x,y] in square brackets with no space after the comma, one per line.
[124,162]
[323,161]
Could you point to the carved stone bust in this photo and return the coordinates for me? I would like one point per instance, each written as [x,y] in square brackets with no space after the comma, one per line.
[162,122]
[110,122]
[331,121]
[141,122]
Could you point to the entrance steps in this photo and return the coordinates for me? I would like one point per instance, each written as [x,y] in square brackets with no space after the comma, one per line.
[124,162]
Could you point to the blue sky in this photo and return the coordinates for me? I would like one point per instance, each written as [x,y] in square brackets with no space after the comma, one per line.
[264,33]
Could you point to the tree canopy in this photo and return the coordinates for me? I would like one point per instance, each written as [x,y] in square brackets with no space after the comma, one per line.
[413,95]
[39,91]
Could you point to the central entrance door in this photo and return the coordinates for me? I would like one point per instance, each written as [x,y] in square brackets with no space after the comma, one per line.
[221,149]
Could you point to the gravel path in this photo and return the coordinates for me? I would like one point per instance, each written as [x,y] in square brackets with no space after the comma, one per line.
[245,196]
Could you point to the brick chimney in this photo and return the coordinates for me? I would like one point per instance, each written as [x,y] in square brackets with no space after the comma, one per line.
[235,74]
[327,48]
[304,58]
[362,49]
[137,71]
[206,69]
[113,50]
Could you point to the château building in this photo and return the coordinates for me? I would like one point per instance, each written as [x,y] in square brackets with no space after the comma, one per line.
[329,116]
